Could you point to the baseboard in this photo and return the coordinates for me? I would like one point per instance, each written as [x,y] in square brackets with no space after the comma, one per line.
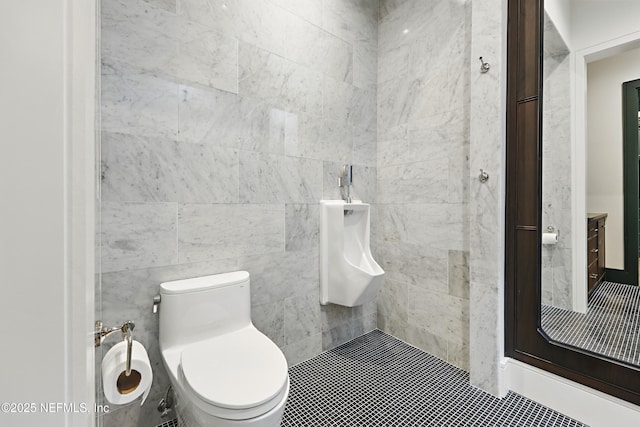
[575,400]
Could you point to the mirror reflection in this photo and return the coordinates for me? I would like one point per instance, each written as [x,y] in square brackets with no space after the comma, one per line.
[590,211]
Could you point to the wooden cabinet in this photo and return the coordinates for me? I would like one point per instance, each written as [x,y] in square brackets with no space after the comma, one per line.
[595,249]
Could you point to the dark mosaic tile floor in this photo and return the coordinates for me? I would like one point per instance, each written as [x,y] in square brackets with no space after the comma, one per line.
[378,380]
[611,325]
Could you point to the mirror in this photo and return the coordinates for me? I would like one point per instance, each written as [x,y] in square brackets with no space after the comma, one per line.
[590,213]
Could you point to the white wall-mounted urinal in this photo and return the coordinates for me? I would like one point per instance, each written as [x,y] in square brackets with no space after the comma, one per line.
[348,273]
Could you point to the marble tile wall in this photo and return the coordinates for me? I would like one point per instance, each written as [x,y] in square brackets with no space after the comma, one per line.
[556,171]
[423,174]
[223,124]
[487,200]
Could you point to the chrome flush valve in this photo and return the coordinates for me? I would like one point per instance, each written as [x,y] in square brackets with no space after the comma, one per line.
[346,180]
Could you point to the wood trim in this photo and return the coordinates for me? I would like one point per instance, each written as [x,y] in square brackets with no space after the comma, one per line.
[631,102]
[630,185]
[524,340]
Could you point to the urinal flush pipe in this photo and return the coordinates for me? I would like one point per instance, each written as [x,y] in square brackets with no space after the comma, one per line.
[346,180]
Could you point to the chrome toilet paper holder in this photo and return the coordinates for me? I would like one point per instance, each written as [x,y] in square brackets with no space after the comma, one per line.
[101,333]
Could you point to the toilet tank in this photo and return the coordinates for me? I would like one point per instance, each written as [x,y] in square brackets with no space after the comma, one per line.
[203,307]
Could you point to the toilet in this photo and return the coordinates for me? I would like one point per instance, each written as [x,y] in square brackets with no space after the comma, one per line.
[223,370]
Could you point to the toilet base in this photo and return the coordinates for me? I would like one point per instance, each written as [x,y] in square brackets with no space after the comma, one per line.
[189,415]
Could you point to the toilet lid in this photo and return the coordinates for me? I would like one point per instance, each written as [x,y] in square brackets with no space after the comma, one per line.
[239,370]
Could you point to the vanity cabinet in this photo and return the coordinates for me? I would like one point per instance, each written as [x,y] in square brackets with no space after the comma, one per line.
[595,249]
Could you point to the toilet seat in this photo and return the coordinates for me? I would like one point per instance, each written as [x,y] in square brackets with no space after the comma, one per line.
[238,375]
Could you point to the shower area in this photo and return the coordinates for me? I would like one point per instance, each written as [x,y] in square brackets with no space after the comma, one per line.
[224,123]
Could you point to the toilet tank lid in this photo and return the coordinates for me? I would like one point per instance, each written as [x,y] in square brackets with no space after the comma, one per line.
[203,283]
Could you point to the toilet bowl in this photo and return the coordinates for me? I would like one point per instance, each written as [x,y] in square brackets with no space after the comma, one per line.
[223,370]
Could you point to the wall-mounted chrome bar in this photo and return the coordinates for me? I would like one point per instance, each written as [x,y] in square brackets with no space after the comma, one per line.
[101,333]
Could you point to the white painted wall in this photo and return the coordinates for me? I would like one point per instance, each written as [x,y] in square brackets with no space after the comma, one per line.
[32,216]
[596,21]
[605,144]
[560,13]
[46,124]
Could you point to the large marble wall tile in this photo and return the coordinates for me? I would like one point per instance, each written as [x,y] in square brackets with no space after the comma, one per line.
[333,315]
[365,147]
[393,146]
[431,132]
[262,24]
[224,231]
[136,33]
[392,307]
[427,341]
[145,169]
[278,81]
[351,20]
[302,226]
[341,334]
[419,182]
[387,7]
[458,355]
[157,41]
[364,108]
[459,154]
[269,178]
[357,23]
[304,349]
[257,22]
[393,63]
[138,103]
[409,16]
[415,264]
[365,61]
[365,184]
[337,100]
[168,5]
[350,104]
[483,243]
[315,48]
[404,100]
[220,15]
[221,118]
[138,235]
[301,317]
[311,10]
[441,314]
[459,274]
[278,275]
[269,319]
[206,57]
[437,225]
[341,324]
[314,137]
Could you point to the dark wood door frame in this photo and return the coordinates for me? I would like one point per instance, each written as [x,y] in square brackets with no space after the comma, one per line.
[630,185]
[524,339]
